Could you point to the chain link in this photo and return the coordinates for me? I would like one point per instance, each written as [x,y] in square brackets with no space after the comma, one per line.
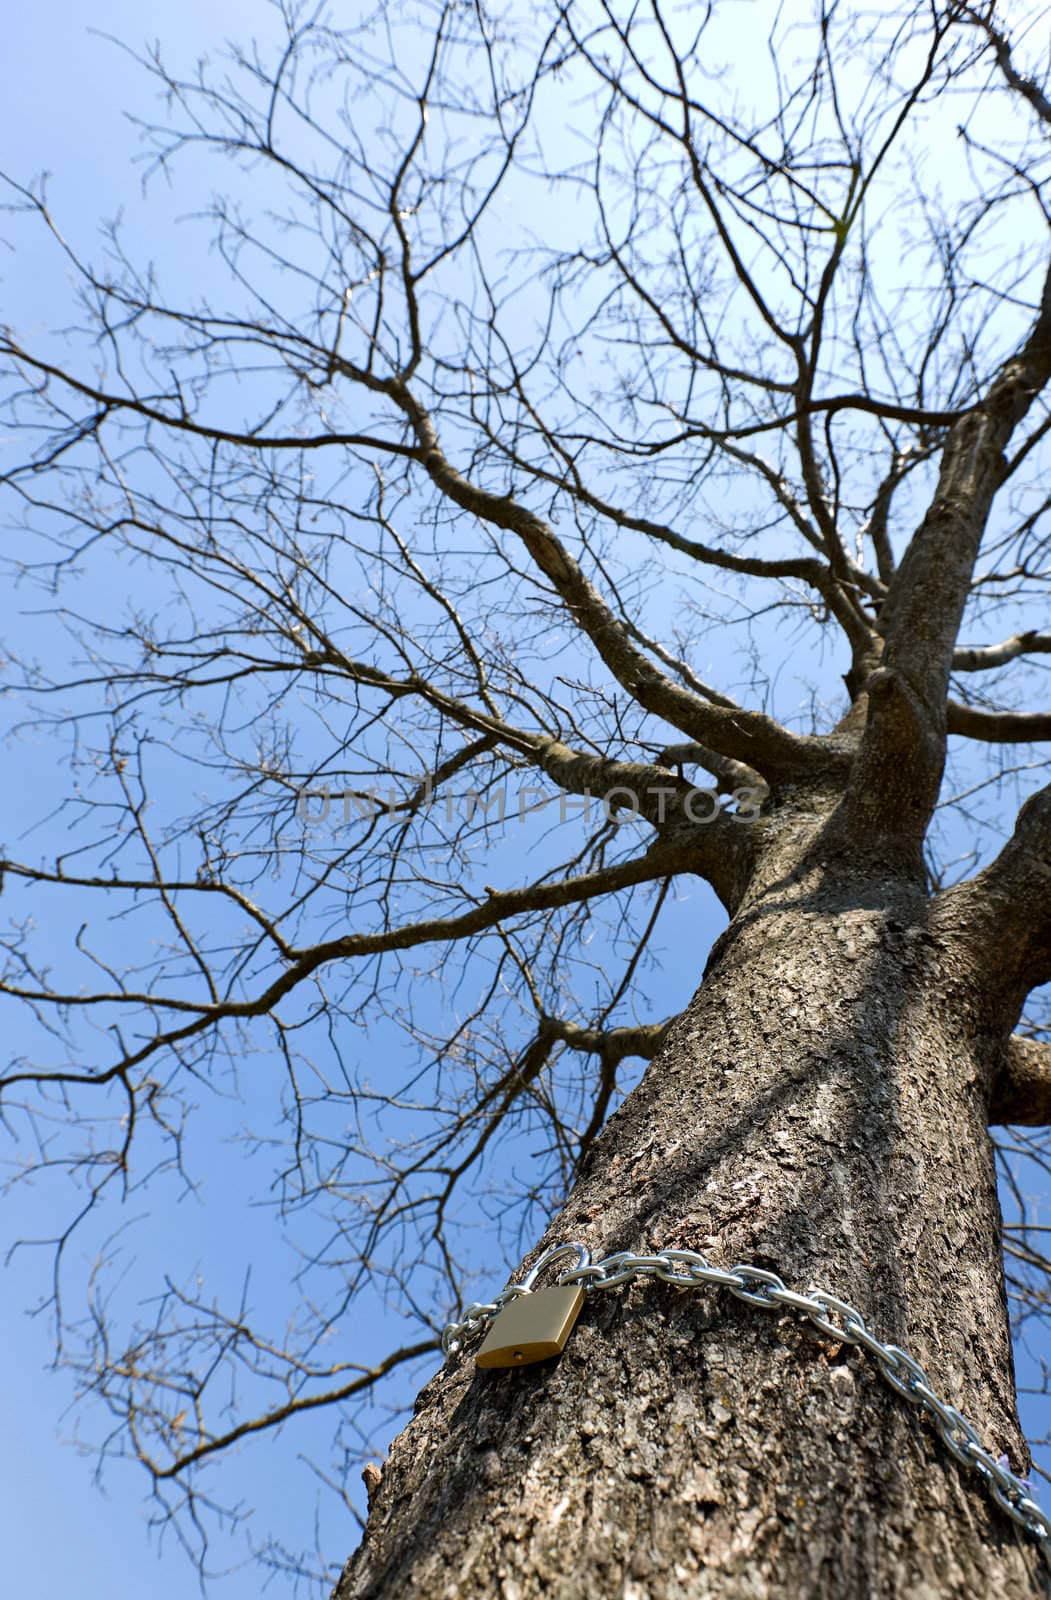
[688,1269]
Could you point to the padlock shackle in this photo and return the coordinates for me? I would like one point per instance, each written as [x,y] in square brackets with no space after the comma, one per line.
[556,1253]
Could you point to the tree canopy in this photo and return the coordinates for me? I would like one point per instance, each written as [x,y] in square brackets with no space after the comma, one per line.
[564,442]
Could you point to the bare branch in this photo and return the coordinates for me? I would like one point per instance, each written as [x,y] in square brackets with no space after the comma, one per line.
[980,658]
[1021,1093]
[997,727]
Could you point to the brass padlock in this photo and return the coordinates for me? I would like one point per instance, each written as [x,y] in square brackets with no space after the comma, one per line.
[532,1327]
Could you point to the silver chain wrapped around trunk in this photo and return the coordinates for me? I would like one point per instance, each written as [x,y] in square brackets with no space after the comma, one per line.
[688,1269]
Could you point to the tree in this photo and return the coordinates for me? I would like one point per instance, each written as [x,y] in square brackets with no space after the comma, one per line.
[428,532]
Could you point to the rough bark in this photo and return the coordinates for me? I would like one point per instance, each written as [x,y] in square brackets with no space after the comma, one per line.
[820,1109]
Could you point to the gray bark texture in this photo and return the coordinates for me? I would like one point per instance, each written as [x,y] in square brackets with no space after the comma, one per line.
[819,1109]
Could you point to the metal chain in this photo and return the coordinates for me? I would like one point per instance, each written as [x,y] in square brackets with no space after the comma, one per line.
[688,1269]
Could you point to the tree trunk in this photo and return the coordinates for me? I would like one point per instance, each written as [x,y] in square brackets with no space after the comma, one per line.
[819,1109]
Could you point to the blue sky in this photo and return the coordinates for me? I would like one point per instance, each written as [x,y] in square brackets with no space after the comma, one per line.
[64,93]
